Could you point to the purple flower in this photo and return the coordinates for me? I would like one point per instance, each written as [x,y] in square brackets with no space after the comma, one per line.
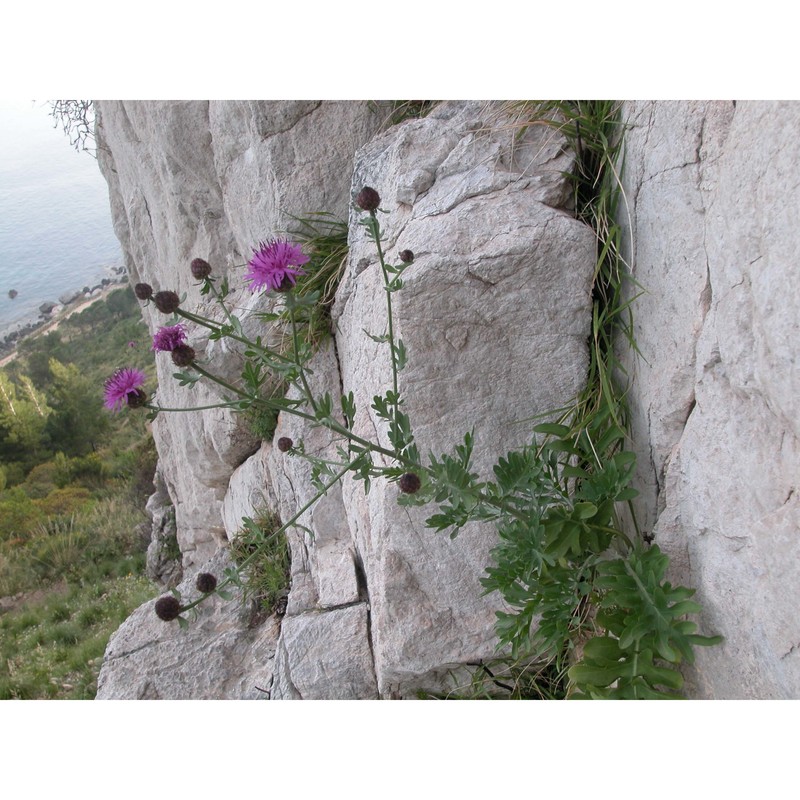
[273,266]
[169,337]
[124,386]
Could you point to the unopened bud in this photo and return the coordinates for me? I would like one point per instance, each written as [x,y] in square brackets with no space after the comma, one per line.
[201,269]
[167,302]
[406,256]
[368,199]
[168,608]
[144,291]
[409,483]
[205,582]
[183,355]
[285,444]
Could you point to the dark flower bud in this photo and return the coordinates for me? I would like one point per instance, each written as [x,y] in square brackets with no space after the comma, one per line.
[144,291]
[201,269]
[136,399]
[285,443]
[406,256]
[368,199]
[409,483]
[205,582]
[168,608]
[167,302]
[183,355]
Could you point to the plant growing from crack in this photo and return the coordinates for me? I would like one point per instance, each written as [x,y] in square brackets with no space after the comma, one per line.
[573,577]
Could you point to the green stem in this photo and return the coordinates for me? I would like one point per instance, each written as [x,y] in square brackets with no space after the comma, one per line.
[329,423]
[216,327]
[221,302]
[193,408]
[280,530]
[295,348]
[230,387]
[376,235]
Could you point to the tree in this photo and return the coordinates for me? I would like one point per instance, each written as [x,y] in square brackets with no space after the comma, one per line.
[23,418]
[77,421]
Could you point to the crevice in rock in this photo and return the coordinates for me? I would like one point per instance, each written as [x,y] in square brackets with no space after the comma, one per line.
[336,358]
[293,122]
[363,595]
[147,209]
[793,649]
[125,653]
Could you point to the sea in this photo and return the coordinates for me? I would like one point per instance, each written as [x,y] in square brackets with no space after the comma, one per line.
[56,235]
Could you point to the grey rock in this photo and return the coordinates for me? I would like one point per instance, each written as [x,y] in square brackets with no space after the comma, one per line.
[219,656]
[713,204]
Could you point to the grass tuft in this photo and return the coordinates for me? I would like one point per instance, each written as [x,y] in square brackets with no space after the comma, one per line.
[261,552]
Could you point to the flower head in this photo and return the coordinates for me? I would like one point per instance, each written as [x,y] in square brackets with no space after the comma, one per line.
[285,444]
[168,608]
[144,291]
[409,483]
[167,302]
[200,268]
[169,337]
[205,582]
[124,387]
[368,199]
[274,265]
[183,355]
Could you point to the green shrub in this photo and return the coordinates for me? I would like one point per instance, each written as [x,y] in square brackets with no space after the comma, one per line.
[19,515]
[64,501]
[41,480]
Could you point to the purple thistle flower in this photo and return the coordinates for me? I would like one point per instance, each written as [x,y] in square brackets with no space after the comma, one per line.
[169,337]
[122,387]
[273,266]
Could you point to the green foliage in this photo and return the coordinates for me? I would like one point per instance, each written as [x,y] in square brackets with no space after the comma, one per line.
[66,501]
[79,483]
[262,557]
[22,423]
[646,635]
[324,240]
[19,515]
[53,648]
[506,679]
[565,566]
[262,421]
[401,110]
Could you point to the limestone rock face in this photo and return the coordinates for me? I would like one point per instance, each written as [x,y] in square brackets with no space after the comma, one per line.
[494,313]
[714,201]
[212,179]
[220,655]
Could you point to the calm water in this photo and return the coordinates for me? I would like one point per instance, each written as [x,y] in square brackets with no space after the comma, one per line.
[55,218]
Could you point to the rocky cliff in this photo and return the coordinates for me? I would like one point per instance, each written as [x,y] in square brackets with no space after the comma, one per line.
[495,313]
[713,197]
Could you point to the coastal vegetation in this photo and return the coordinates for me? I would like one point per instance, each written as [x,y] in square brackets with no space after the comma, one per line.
[73,485]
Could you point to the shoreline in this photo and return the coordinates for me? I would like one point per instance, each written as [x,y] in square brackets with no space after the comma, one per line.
[46,325]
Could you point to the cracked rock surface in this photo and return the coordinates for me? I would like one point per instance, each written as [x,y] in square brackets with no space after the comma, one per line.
[714,199]
[494,314]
